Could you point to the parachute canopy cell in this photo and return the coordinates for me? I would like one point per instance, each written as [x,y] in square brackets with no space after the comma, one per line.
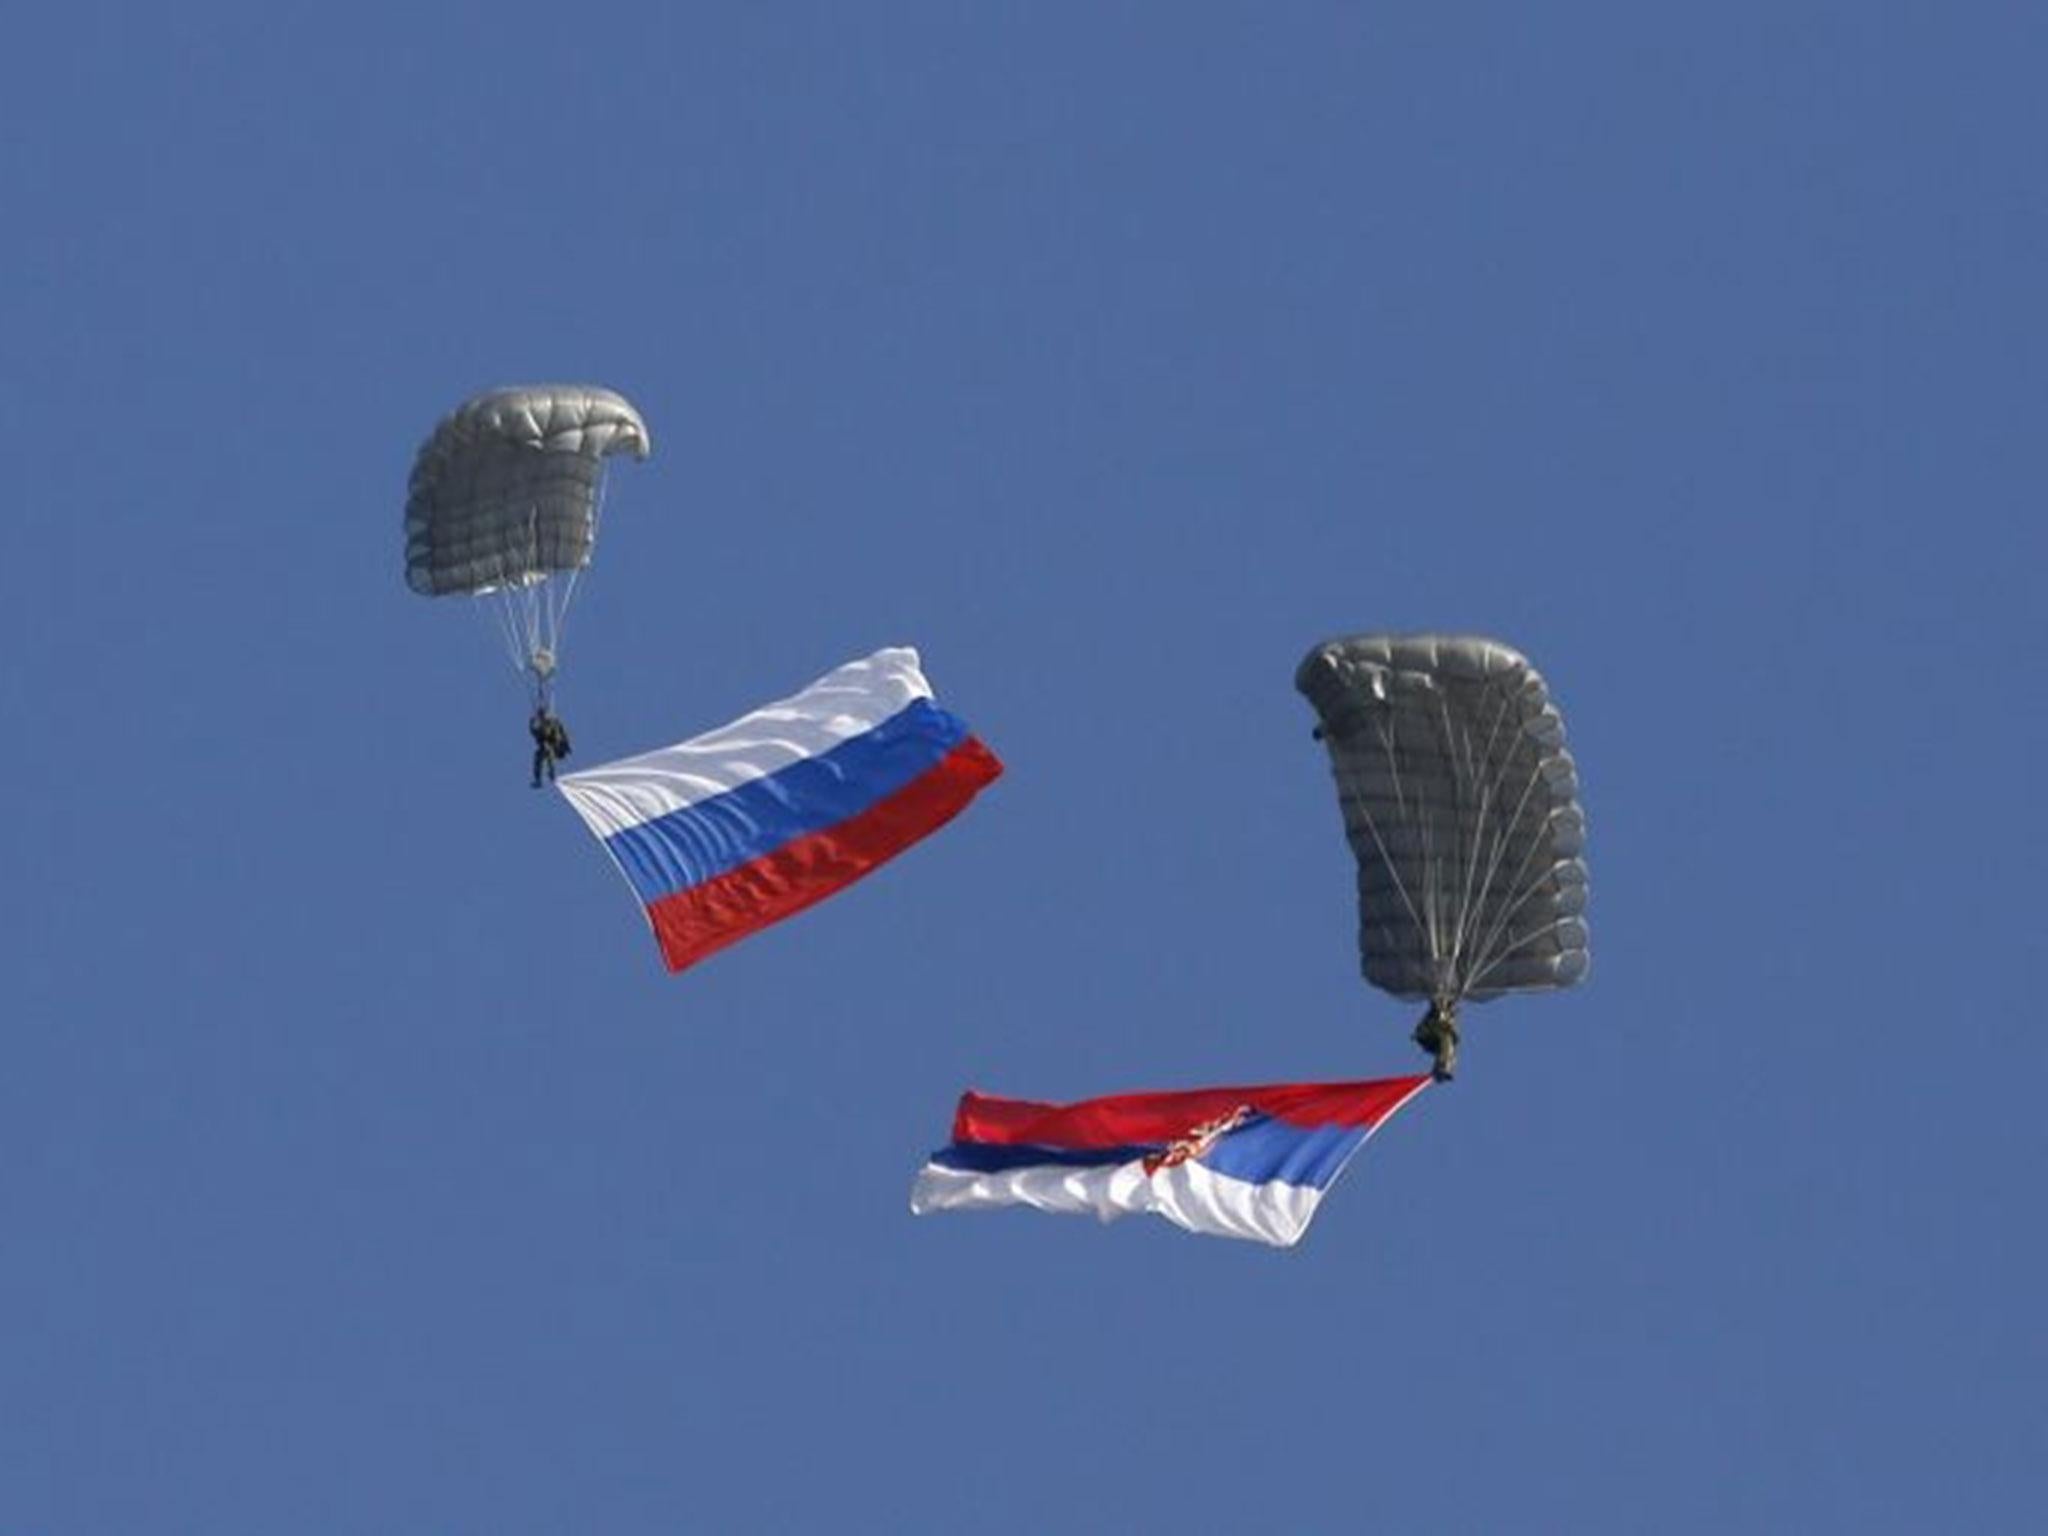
[505,493]
[1460,802]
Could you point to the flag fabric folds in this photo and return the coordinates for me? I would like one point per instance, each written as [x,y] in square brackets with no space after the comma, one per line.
[726,833]
[1229,1162]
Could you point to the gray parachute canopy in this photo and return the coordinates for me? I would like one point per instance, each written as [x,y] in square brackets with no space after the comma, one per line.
[504,500]
[1461,804]
[506,490]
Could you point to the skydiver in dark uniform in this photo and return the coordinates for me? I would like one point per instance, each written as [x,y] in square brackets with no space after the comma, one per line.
[1438,1035]
[550,742]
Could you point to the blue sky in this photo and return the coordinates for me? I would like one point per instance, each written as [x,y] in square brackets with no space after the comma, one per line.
[360,1168]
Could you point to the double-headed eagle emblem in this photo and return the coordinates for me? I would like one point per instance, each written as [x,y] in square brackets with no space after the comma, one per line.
[1198,1140]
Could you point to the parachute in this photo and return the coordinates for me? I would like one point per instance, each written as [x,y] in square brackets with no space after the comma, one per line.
[504,501]
[1460,802]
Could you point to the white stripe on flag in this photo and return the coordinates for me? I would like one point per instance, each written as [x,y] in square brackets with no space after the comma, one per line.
[844,703]
[1189,1195]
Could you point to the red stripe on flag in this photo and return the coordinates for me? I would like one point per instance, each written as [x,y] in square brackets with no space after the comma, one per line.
[1141,1119]
[705,918]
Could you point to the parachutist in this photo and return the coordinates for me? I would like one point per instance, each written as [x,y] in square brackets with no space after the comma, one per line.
[1461,804]
[550,742]
[1438,1034]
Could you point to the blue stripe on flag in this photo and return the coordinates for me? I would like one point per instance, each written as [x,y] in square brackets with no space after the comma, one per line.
[1269,1149]
[700,842]
[1000,1157]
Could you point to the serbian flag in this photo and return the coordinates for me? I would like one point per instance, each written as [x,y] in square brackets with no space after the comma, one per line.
[721,835]
[1230,1162]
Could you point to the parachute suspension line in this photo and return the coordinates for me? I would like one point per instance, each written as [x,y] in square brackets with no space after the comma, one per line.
[1465,774]
[597,501]
[1489,955]
[1518,946]
[1432,896]
[558,610]
[1390,748]
[1462,810]
[1521,892]
[1438,861]
[558,625]
[1472,887]
[1482,768]
[521,615]
[1517,894]
[1503,842]
[524,600]
[1386,855]
[530,600]
[1390,741]
[491,601]
[503,604]
[533,561]
[1437,1031]
[1448,742]
[1475,784]
[549,622]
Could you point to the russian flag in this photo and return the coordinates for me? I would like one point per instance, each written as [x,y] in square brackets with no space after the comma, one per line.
[1228,1162]
[721,835]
